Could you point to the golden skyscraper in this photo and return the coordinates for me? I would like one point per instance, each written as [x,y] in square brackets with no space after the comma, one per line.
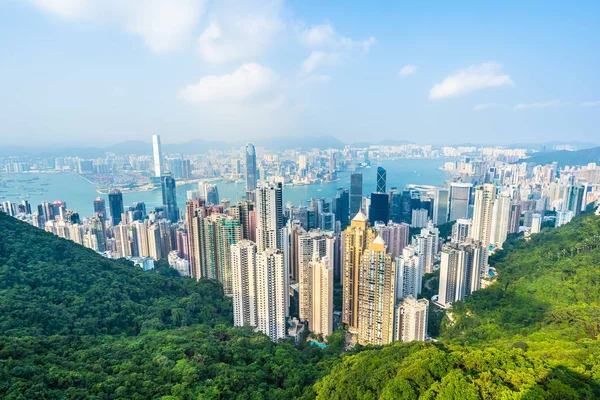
[357,238]
[376,295]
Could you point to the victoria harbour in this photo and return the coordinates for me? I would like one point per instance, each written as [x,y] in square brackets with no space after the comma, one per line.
[79,193]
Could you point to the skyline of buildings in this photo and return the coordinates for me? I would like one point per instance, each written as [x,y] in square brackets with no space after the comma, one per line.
[280,261]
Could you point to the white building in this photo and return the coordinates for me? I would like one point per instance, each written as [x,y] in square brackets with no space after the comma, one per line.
[272,292]
[243,270]
[321,321]
[269,217]
[419,218]
[409,272]
[411,319]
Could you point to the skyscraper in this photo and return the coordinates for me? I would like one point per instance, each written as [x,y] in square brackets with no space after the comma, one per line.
[310,246]
[394,235]
[440,206]
[460,230]
[243,267]
[411,319]
[115,204]
[250,168]
[460,271]
[379,208]
[500,219]
[269,216]
[272,293]
[122,239]
[460,196]
[377,279]
[409,272]
[355,193]
[574,200]
[157,154]
[321,321]
[342,207]
[485,196]
[381,180]
[169,197]
[356,239]
[100,207]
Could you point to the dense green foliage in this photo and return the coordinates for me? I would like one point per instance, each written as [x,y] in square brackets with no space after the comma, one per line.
[51,286]
[534,334]
[75,325]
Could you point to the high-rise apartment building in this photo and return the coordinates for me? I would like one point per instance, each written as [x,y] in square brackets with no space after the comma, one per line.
[395,236]
[377,279]
[310,246]
[515,217]
[243,268]
[157,155]
[409,272]
[356,192]
[356,239]
[411,319]
[122,240]
[485,197]
[269,216]
[500,219]
[419,218]
[321,319]
[460,230]
[461,268]
[115,204]
[272,293]
[536,223]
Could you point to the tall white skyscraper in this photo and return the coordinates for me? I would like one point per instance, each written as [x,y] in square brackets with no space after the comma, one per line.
[243,263]
[481,231]
[272,291]
[409,272]
[460,271]
[269,216]
[411,319]
[536,223]
[158,157]
[310,245]
[321,321]
[500,219]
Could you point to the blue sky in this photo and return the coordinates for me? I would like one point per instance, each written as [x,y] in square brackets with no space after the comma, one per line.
[102,71]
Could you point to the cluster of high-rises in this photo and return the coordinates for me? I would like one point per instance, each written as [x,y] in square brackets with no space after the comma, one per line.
[278,262]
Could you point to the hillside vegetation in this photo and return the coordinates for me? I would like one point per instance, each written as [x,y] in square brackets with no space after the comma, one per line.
[78,326]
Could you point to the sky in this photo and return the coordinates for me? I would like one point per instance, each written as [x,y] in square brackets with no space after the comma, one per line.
[97,72]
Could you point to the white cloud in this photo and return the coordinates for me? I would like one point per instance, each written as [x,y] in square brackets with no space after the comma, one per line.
[544,104]
[486,106]
[321,36]
[248,81]
[318,59]
[471,79]
[408,70]
[590,104]
[163,25]
[240,30]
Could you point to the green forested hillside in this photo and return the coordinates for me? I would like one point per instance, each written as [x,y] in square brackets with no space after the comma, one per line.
[75,325]
[534,334]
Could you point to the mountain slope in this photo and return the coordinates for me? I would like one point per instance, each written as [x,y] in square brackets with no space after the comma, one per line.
[534,334]
[565,157]
[51,286]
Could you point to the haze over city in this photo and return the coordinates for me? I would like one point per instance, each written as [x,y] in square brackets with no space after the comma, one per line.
[91,72]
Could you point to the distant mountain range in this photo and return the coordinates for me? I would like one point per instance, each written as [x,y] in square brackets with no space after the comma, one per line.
[199,146]
[565,157]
